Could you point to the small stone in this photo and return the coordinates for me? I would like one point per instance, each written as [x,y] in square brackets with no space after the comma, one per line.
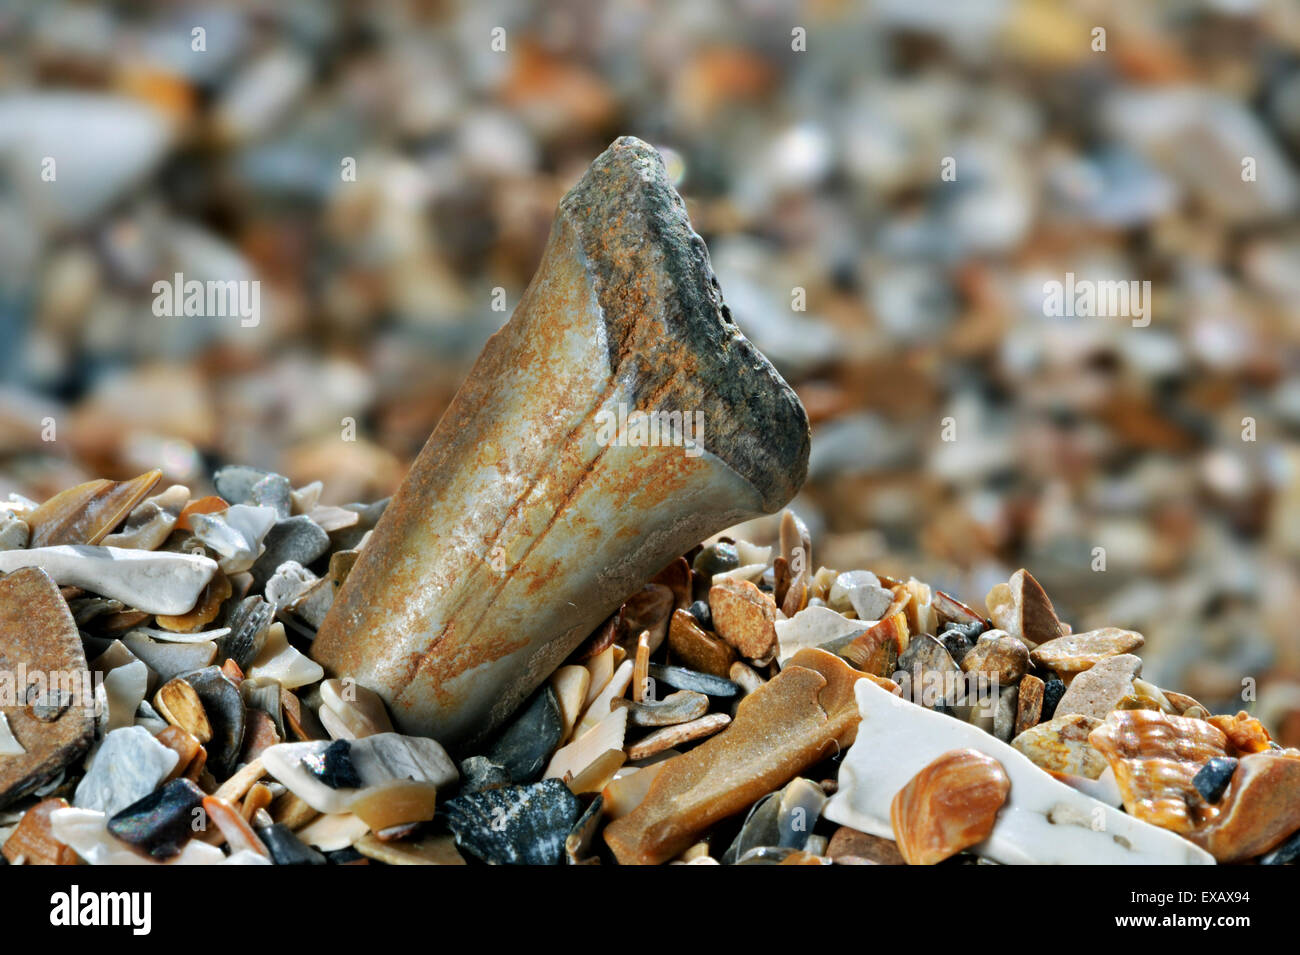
[1029,703]
[1245,734]
[1053,690]
[870,603]
[700,611]
[877,649]
[837,598]
[298,538]
[956,642]
[1021,607]
[527,743]
[333,766]
[1061,745]
[226,715]
[671,736]
[437,849]
[1285,854]
[286,848]
[746,677]
[850,847]
[814,627]
[928,676]
[86,832]
[745,617]
[589,746]
[282,662]
[235,482]
[950,805]
[1100,689]
[571,684]
[160,823]
[152,581]
[480,773]
[997,656]
[128,766]
[679,707]
[1077,652]
[716,559]
[1004,716]
[515,825]
[948,609]
[250,622]
[693,648]
[684,679]
[1212,779]
[169,660]
[648,609]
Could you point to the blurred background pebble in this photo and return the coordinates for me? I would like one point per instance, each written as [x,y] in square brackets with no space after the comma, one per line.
[811,141]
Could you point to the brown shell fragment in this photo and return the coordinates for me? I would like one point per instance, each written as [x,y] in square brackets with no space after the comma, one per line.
[1029,703]
[745,617]
[1245,734]
[205,609]
[1022,608]
[1155,756]
[877,650]
[950,805]
[1061,745]
[1077,652]
[85,514]
[804,714]
[850,847]
[33,842]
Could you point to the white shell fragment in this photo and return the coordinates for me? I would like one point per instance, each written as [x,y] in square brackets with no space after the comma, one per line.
[85,831]
[378,759]
[128,766]
[812,627]
[279,661]
[1043,821]
[235,535]
[157,582]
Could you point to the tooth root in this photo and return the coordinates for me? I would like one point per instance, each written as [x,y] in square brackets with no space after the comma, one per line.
[521,525]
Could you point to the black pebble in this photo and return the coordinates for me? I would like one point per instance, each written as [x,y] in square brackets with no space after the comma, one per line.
[343,856]
[1213,778]
[160,823]
[286,848]
[956,643]
[1053,690]
[970,631]
[1285,854]
[334,766]
[703,616]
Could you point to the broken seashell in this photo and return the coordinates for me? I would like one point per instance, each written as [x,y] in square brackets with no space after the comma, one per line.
[359,709]
[675,735]
[378,760]
[679,707]
[997,656]
[623,283]
[1155,757]
[1021,607]
[877,650]
[86,832]
[600,707]
[1043,821]
[1245,734]
[950,805]
[155,582]
[128,766]
[1260,809]
[33,842]
[572,759]
[85,514]
[178,703]
[281,662]
[570,684]
[814,627]
[159,824]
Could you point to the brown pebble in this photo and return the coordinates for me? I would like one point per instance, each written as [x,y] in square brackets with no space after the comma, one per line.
[691,647]
[178,703]
[1029,703]
[950,805]
[33,842]
[744,617]
[1077,652]
[671,736]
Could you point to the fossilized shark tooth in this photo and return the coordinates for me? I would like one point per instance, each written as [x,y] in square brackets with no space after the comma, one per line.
[548,494]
